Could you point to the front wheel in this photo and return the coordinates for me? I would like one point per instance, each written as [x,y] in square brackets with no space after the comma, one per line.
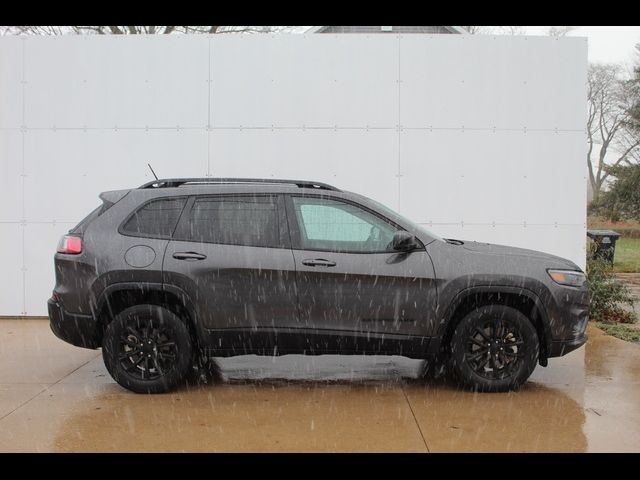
[494,349]
[147,349]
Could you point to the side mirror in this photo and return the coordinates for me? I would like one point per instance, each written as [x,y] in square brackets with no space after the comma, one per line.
[404,242]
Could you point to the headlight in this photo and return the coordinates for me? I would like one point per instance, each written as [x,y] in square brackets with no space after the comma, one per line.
[569,278]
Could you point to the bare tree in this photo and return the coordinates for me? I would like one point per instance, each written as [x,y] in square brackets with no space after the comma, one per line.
[512,30]
[496,30]
[634,90]
[478,30]
[610,103]
[516,30]
[136,30]
[559,31]
[35,30]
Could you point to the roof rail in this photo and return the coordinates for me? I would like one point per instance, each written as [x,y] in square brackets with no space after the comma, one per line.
[176,182]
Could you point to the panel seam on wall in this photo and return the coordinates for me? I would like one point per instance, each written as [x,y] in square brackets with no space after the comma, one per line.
[23,173]
[308,127]
[208,129]
[398,127]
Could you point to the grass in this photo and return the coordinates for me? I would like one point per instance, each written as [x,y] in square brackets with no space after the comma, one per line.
[627,255]
[623,331]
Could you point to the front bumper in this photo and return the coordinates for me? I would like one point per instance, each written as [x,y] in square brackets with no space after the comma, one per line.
[79,330]
[568,320]
[562,347]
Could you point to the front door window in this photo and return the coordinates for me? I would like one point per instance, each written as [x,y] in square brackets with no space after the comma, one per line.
[335,226]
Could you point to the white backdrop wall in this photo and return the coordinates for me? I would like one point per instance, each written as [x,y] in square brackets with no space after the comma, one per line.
[477,137]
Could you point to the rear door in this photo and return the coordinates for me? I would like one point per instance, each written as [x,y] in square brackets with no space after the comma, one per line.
[231,253]
[348,277]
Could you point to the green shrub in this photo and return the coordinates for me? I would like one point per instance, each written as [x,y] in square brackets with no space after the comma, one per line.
[607,293]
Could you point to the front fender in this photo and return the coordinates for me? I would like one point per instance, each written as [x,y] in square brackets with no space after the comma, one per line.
[458,299]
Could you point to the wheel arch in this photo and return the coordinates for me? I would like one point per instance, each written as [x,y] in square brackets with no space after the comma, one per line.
[524,300]
[117,297]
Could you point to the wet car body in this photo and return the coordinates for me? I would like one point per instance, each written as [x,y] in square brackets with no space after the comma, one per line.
[286,298]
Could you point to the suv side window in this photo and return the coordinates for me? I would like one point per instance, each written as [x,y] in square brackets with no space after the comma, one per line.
[156,219]
[336,226]
[233,220]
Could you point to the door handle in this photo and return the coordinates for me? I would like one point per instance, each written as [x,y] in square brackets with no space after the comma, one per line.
[189,256]
[319,262]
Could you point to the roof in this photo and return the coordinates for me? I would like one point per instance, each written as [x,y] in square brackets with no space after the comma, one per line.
[210,181]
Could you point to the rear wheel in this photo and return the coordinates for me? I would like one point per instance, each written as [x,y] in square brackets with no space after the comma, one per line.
[147,349]
[494,349]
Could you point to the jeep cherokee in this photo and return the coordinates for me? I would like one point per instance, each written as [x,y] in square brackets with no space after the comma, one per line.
[177,271]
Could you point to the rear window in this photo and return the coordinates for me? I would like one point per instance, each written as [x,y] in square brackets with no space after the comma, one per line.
[84,223]
[238,220]
[157,218]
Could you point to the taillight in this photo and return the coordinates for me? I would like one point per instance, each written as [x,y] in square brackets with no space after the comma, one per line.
[69,244]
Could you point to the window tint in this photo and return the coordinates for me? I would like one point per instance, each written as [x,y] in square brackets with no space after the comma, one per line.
[237,220]
[157,218]
[339,226]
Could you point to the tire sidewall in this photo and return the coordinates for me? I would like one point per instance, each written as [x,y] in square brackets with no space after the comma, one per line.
[464,329]
[178,329]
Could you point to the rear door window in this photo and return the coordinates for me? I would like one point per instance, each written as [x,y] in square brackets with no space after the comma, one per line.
[233,220]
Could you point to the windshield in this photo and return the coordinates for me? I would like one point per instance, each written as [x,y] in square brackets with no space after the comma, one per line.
[391,213]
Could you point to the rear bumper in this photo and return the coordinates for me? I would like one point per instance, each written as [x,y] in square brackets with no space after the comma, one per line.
[79,330]
[562,347]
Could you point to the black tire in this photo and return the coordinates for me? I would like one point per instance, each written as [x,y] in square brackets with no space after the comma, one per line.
[204,370]
[494,349]
[147,349]
[434,368]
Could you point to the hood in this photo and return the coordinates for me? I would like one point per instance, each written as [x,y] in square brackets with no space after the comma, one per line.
[504,250]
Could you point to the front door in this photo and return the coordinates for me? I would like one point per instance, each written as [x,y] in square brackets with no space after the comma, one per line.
[348,277]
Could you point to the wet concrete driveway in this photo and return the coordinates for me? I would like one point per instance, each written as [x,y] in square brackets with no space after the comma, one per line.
[58,398]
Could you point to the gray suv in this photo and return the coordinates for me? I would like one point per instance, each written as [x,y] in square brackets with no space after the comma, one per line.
[167,275]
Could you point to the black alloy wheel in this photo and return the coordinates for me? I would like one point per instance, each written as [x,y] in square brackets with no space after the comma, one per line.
[147,349]
[494,348]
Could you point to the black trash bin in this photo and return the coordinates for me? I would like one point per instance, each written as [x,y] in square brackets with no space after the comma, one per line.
[605,241]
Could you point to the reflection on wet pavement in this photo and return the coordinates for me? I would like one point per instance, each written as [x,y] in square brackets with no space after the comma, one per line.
[55,397]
